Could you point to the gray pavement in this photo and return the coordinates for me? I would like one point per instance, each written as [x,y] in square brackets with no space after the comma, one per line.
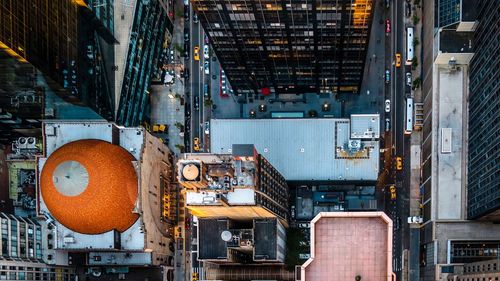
[166,107]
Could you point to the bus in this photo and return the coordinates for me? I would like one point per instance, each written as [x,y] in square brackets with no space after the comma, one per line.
[409,116]
[409,45]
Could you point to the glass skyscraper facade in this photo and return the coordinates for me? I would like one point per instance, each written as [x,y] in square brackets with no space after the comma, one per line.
[308,46]
[484,116]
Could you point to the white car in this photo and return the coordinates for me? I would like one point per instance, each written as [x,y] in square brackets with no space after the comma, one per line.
[415,220]
[408,79]
[207,67]
[207,128]
[387,106]
[206,54]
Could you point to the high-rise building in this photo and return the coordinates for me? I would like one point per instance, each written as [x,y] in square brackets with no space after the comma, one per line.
[242,185]
[483,194]
[227,241]
[447,237]
[100,53]
[289,47]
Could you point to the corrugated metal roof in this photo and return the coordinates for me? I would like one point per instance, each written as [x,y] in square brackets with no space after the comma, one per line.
[301,149]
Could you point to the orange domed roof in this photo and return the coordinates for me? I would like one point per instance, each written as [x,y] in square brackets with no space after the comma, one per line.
[90,186]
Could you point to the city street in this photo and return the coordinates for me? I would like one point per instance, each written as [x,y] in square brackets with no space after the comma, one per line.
[401,141]
[196,84]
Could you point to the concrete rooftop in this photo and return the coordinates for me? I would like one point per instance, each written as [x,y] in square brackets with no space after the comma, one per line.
[347,244]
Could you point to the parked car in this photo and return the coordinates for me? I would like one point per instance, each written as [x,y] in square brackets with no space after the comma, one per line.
[196,103]
[171,56]
[206,39]
[206,53]
[186,50]
[415,219]
[90,52]
[206,95]
[387,105]
[387,3]
[398,60]
[387,76]
[393,192]
[186,12]
[206,67]
[186,35]
[304,225]
[387,124]
[195,18]
[196,144]
[387,26]
[196,53]
[408,79]
[399,163]
[207,128]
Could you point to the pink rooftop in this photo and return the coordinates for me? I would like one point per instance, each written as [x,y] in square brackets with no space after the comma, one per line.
[347,244]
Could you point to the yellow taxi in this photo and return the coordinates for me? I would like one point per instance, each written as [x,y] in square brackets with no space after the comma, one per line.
[393,192]
[195,276]
[196,53]
[398,59]
[399,163]
[196,144]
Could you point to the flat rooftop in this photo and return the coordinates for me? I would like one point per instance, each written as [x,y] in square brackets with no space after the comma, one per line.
[347,244]
[306,149]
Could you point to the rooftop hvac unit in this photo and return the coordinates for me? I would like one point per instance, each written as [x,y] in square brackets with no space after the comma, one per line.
[22,142]
[69,239]
[31,143]
[226,236]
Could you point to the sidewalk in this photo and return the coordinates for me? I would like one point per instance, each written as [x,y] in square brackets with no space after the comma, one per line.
[166,107]
[416,136]
[415,158]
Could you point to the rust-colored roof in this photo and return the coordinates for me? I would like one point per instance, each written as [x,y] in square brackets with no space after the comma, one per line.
[107,201]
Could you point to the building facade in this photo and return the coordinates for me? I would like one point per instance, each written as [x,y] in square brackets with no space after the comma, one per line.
[296,47]
[94,52]
[448,237]
[23,253]
[484,104]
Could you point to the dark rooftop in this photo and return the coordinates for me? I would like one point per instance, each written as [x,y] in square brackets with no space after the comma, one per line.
[211,245]
[452,41]
[469,10]
[265,239]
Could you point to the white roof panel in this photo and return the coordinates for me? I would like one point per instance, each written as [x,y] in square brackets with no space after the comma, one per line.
[301,149]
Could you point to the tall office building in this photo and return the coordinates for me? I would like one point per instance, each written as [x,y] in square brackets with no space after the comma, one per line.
[484,113]
[100,53]
[241,202]
[289,47]
[447,237]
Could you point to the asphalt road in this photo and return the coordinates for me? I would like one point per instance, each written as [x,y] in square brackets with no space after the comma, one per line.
[401,145]
[197,82]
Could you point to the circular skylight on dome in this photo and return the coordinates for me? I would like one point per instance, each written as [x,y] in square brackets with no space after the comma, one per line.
[70,178]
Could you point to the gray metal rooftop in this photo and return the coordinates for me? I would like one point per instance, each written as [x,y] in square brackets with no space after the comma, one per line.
[302,149]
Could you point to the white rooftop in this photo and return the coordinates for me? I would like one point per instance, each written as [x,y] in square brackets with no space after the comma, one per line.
[304,149]
[240,196]
[365,126]
[58,133]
